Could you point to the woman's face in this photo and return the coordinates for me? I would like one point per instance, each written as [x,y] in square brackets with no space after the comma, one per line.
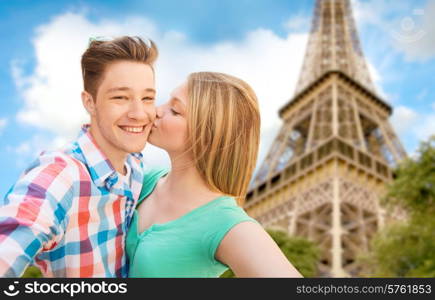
[169,131]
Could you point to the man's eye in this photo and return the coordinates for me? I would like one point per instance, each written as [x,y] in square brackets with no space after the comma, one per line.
[119,98]
[148,99]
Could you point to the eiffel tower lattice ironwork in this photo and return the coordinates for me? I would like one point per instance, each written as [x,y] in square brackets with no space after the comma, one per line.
[328,166]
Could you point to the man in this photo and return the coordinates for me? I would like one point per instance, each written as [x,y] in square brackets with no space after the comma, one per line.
[70,210]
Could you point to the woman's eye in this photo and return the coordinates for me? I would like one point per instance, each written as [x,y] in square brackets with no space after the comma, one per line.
[174,112]
[148,99]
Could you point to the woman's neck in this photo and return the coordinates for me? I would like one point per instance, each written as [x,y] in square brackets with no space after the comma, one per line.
[185,182]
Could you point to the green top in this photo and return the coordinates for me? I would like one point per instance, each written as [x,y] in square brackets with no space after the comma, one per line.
[184,247]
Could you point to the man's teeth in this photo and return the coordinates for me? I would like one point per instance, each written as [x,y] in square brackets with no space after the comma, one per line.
[133,129]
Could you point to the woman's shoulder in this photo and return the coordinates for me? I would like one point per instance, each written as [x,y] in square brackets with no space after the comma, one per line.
[227,211]
[221,219]
[151,176]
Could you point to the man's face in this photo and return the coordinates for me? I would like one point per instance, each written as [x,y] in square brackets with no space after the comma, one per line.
[124,109]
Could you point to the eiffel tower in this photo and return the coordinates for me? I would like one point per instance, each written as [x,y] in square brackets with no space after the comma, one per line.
[328,166]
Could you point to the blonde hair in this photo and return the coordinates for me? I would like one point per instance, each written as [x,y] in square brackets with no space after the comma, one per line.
[223,131]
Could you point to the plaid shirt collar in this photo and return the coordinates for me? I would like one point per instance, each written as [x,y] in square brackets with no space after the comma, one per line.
[101,170]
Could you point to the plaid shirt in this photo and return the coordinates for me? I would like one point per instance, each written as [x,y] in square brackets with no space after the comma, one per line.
[69,213]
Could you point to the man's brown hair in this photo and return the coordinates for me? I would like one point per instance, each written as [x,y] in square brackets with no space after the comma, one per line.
[101,53]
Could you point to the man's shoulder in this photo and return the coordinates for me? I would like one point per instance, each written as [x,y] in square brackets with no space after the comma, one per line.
[51,175]
[56,162]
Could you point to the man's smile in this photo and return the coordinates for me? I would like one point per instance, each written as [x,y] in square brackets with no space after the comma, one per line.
[132,129]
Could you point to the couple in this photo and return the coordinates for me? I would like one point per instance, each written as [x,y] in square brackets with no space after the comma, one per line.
[91,210]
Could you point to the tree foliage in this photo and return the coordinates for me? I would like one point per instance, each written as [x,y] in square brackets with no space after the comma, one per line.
[407,248]
[414,186]
[32,272]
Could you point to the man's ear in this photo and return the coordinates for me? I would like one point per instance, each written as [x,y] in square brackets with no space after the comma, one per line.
[88,103]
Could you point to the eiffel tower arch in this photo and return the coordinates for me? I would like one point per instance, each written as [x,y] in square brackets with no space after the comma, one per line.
[327,168]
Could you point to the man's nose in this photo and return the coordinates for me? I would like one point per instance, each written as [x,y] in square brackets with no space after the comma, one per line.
[140,112]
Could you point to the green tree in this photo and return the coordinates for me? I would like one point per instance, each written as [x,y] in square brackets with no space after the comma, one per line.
[32,272]
[407,248]
[302,253]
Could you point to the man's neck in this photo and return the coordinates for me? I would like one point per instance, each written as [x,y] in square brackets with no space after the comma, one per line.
[117,158]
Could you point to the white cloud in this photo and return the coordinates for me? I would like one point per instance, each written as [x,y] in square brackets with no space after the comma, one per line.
[51,93]
[36,144]
[426,127]
[376,77]
[374,74]
[364,13]
[410,123]
[379,12]
[403,119]
[29,149]
[3,123]
[298,23]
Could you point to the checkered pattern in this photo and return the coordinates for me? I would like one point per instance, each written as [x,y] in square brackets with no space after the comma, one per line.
[69,213]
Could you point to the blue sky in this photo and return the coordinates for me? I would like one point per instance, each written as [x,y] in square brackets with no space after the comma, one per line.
[261,41]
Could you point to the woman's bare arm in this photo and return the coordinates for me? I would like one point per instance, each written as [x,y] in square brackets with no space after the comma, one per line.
[250,252]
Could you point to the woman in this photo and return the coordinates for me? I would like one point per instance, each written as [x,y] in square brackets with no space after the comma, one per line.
[189,221]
